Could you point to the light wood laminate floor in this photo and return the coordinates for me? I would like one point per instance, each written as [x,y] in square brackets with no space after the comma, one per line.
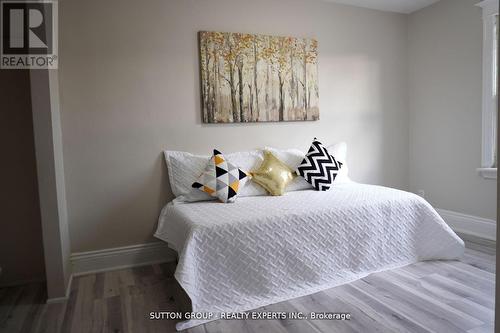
[436,296]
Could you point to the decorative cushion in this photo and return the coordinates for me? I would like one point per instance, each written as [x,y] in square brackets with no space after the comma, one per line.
[221,179]
[273,175]
[292,158]
[184,168]
[319,168]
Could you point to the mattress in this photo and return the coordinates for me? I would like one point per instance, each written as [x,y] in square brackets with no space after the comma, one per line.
[262,250]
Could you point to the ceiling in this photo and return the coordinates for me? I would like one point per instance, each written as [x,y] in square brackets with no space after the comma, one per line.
[398,6]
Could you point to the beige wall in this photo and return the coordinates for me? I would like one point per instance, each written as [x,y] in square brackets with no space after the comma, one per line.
[445,57]
[21,250]
[130,88]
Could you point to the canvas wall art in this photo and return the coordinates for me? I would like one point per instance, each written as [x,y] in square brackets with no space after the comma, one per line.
[257,78]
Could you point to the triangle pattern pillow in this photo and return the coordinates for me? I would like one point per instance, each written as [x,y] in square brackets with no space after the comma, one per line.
[318,167]
[221,179]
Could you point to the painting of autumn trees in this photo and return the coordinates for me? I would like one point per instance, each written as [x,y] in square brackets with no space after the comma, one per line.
[257,78]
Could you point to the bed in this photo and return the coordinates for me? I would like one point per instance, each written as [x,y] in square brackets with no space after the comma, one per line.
[262,250]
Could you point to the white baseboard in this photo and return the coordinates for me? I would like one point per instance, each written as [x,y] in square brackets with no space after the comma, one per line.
[66,297]
[120,257]
[468,224]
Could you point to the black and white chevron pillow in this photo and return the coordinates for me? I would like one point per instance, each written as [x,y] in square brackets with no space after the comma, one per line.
[319,168]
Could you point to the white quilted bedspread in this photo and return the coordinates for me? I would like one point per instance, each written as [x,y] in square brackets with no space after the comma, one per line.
[262,250]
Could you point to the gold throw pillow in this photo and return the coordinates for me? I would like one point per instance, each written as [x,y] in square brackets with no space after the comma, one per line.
[273,175]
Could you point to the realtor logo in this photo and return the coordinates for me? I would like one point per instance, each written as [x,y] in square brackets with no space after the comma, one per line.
[29,34]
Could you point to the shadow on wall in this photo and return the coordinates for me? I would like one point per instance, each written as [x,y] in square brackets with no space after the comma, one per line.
[158,179]
[165,195]
[131,210]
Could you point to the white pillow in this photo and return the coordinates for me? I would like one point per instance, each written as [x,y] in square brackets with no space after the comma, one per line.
[339,151]
[184,169]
